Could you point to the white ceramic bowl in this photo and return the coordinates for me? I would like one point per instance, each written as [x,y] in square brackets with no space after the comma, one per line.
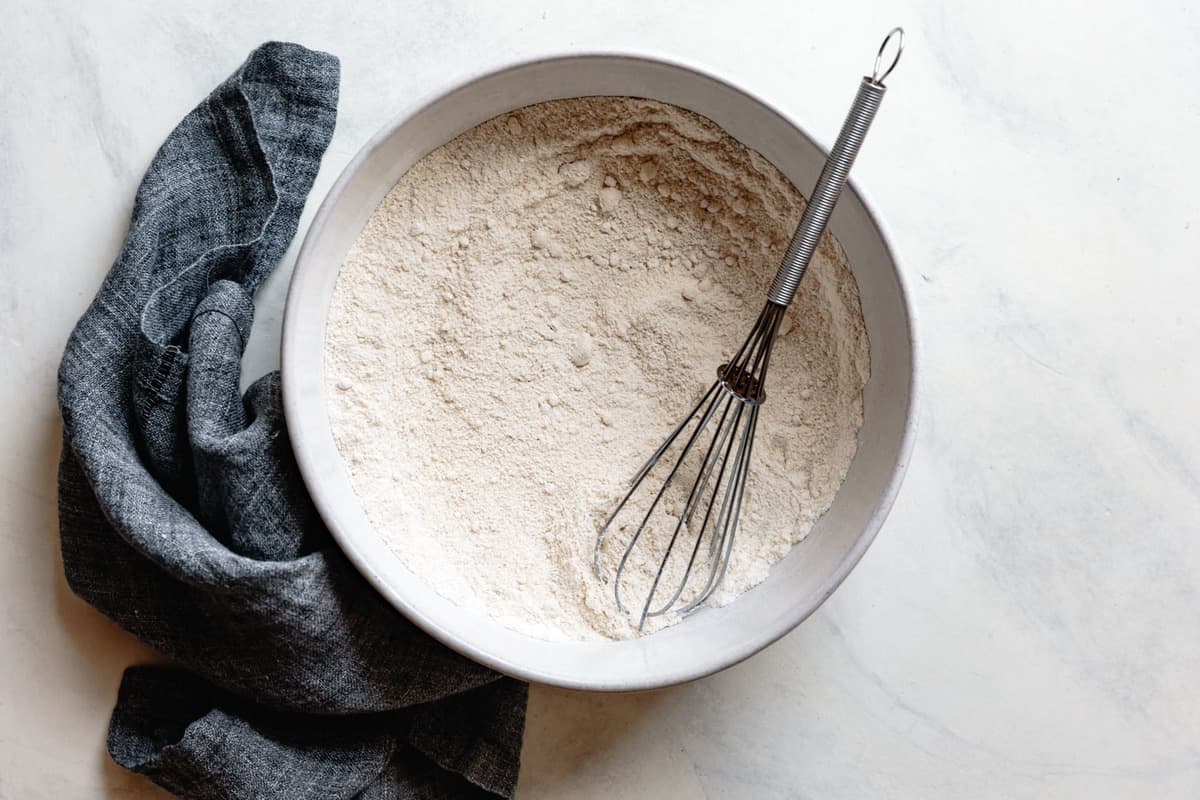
[713,638]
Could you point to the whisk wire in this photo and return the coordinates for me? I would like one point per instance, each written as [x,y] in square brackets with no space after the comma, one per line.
[738,484]
[641,476]
[716,445]
[654,505]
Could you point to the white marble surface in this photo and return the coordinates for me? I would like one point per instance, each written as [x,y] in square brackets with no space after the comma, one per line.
[1027,624]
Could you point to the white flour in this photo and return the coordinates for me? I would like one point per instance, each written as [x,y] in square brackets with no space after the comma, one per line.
[533,307]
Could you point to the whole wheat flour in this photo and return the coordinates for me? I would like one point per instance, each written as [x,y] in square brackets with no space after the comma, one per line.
[533,307]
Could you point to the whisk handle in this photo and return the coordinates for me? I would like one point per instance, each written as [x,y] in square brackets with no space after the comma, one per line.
[833,177]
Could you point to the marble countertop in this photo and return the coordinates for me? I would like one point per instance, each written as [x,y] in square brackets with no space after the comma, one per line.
[1027,624]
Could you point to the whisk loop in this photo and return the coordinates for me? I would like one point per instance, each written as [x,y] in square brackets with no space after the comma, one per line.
[718,433]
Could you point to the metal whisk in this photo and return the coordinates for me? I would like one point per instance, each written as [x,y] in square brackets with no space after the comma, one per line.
[736,396]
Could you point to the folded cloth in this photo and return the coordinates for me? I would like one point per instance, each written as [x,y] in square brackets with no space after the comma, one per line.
[184,519]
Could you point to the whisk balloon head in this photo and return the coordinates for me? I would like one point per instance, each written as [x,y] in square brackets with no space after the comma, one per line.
[693,485]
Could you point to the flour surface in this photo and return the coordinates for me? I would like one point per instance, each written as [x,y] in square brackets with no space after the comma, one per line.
[533,307]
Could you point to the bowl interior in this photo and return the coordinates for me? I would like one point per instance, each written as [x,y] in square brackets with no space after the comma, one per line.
[711,639]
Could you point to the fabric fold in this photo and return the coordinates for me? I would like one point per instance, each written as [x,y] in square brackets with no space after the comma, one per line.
[183,516]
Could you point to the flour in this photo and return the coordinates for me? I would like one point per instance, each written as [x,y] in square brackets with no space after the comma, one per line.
[533,307]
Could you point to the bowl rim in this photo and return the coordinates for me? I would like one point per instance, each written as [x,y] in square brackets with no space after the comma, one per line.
[361,562]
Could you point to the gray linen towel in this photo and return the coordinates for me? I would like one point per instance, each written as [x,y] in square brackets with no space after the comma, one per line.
[184,519]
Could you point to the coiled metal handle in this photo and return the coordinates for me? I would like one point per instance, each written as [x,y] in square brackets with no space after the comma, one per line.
[833,177]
